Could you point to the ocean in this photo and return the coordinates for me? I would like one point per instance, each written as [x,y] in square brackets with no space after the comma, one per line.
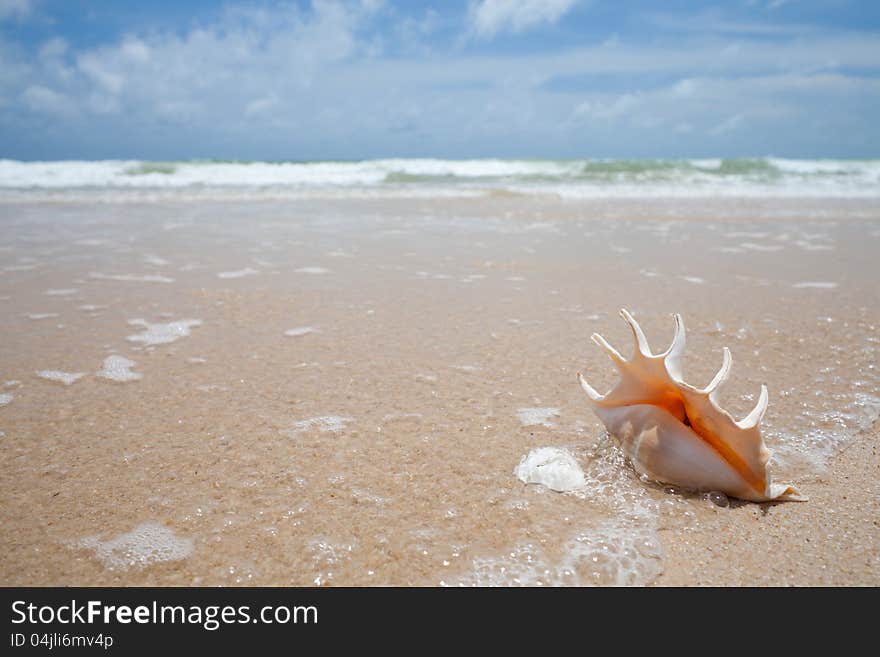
[767,177]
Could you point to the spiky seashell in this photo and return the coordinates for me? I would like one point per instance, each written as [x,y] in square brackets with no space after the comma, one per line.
[678,434]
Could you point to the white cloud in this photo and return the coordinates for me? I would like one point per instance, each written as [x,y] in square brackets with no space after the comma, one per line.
[45,100]
[730,124]
[17,9]
[489,17]
[52,48]
[136,50]
[609,108]
[261,106]
[289,82]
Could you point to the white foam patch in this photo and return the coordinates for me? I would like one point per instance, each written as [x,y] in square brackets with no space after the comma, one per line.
[819,285]
[300,330]
[810,246]
[154,334]
[312,270]
[137,278]
[696,280]
[534,416]
[240,273]
[827,432]
[5,398]
[90,307]
[466,368]
[324,423]
[767,248]
[67,378]
[610,554]
[38,316]
[65,292]
[552,467]
[146,544]
[118,368]
[158,261]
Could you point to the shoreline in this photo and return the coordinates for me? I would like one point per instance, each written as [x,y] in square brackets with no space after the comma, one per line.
[338,392]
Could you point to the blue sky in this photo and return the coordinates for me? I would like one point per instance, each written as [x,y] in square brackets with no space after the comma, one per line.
[336,79]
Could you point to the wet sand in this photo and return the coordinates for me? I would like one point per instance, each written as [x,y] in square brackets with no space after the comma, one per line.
[379,446]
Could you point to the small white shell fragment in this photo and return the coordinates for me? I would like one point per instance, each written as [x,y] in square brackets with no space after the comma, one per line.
[553,467]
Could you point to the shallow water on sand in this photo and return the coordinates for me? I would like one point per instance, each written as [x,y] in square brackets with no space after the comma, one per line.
[339,391]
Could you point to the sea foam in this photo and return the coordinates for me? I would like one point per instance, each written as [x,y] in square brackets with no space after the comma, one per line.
[240,273]
[146,544]
[324,423]
[154,334]
[530,417]
[118,368]
[300,330]
[67,378]
[553,467]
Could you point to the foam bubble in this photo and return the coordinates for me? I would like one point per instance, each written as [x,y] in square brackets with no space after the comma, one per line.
[768,248]
[146,544]
[118,368]
[5,398]
[139,278]
[240,273]
[67,378]
[312,270]
[553,467]
[696,280]
[154,334]
[819,285]
[609,554]
[324,423]
[534,416]
[300,330]
[65,292]
[38,316]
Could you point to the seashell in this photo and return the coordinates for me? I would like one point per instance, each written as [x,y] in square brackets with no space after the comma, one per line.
[677,434]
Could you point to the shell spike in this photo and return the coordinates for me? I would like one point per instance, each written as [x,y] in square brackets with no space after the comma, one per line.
[642,345]
[676,349]
[615,356]
[590,390]
[752,419]
[721,376]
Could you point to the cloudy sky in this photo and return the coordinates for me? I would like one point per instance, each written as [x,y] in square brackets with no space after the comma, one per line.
[337,79]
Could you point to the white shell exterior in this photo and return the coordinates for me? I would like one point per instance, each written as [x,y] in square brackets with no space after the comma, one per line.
[678,434]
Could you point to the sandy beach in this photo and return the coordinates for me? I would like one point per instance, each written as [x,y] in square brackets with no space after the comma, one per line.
[337,390]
